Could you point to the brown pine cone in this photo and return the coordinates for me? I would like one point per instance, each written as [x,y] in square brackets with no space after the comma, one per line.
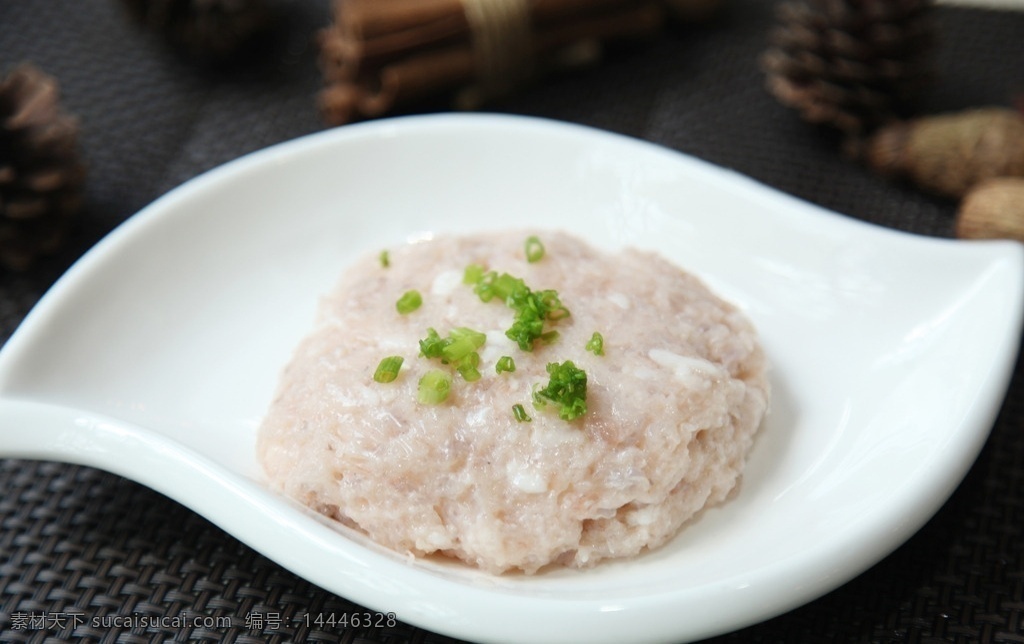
[214,31]
[41,172]
[850,64]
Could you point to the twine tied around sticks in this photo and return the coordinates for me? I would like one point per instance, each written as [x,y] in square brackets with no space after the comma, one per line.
[502,48]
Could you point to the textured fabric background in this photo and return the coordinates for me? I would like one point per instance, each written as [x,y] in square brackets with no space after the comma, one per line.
[77,540]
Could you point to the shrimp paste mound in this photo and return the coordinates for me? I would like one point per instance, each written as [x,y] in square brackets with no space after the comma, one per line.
[672,407]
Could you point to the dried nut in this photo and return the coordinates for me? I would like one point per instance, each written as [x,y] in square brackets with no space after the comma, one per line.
[949,154]
[993,210]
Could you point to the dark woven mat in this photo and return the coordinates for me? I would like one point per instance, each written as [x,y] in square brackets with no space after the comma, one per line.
[76,541]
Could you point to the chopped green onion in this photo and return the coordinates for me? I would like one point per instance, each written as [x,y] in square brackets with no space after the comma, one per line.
[409,302]
[520,413]
[505,287]
[532,308]
[567,388]
[505,363]
[385,258]
[534,249]
[434,387]
[548,303]
[461,342]
[388,369]
[524,331]
[459,349]
[532,311]
[473,274]
[596,344]
[467,367]
[432,345]
[461,352]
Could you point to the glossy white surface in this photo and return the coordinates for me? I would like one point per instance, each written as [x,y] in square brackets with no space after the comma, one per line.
[155,356]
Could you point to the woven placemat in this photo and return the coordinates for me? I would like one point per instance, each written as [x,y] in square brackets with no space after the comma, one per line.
[83,552]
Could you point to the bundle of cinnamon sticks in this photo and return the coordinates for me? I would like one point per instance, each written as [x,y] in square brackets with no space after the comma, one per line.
[379,55]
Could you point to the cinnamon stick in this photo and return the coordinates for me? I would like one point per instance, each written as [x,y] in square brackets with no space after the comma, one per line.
[434,71]
[641,20]
[366,19]
[373,33]
[376,31]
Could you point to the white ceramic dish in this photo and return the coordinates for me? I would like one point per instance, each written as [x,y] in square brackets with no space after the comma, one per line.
[155,356]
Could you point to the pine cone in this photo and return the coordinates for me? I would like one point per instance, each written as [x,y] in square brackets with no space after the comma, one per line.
[213,31]
[849,64]
[41,173]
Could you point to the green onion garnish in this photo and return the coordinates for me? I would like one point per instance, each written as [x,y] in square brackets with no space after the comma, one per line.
[461,342]
[385,258]
[520,413]
[534,249]
[567,388]
[505,363]
[473,274]
[459,349]
[409,302]
[596,344]
[388,369]
[532,308]
[432,345]
[467,367]
[434,387]
[503,286]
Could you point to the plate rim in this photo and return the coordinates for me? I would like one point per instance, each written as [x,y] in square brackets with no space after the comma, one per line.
[164,205]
